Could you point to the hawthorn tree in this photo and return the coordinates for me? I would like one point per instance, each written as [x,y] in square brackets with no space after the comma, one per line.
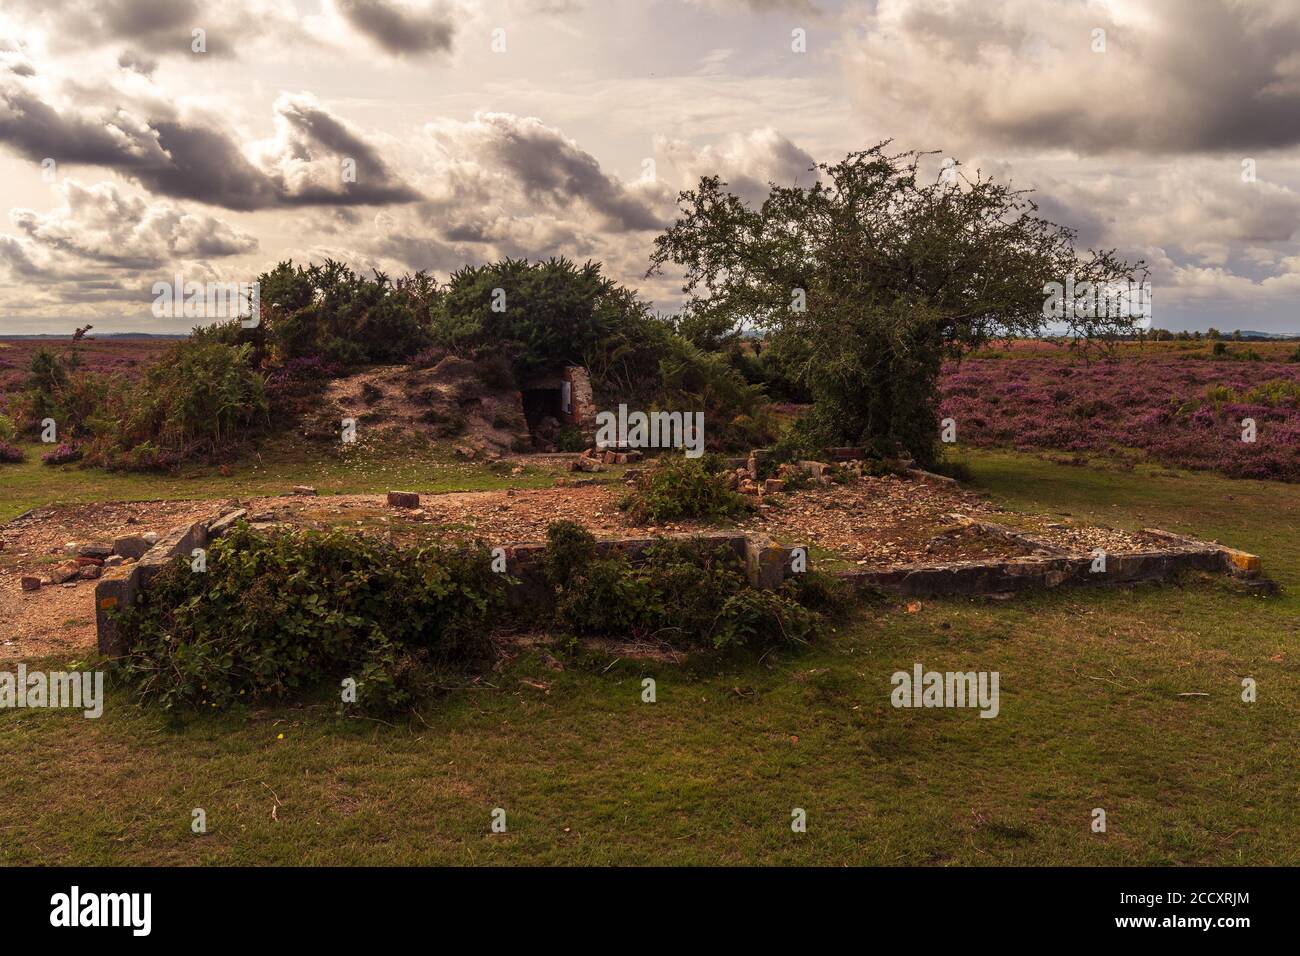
[880,275]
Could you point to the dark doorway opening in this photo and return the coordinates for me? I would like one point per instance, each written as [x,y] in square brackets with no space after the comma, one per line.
[544,412]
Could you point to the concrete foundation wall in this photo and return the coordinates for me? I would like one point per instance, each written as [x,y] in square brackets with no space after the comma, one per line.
[767,565]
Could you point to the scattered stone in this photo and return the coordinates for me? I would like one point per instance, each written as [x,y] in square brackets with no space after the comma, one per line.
[90,572]
[464,452]
[95,550]
[151,537]
[89,561]
[131,546]
[589,465]
[403,499]
[65,572]
[114,560]
[225,522]
[773,485]
[31,583]
[306,491]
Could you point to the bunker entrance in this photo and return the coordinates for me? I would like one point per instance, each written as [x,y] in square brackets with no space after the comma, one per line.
[545,411]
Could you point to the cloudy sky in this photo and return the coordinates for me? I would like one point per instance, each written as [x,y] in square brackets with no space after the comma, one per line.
[1168,129]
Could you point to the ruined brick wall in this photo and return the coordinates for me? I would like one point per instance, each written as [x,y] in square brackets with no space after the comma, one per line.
[581,409]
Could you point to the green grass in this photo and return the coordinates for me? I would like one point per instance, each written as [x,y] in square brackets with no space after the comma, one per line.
[32,484]
[1090,717]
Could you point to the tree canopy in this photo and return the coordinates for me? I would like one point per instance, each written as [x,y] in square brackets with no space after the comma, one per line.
[881,273]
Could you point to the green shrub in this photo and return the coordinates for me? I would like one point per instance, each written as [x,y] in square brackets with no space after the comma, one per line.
[56,389]
[678,593]
[300,611]
[676,487]
[278,615]
[570,439]
[331,312]
[569,548]
[202,399]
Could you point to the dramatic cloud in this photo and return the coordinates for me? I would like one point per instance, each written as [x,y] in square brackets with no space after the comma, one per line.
[159,27]
[500,152]
[237,28]
[102,224]
[319,159]
[1110,75]
[194,157]
[130,60]
[388,133]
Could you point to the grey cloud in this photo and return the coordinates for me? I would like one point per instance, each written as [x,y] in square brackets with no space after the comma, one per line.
[747,163]
[196,159]
[549,166]
[130,60]
[398,29]
[1220,76]
[101,224]
[310,124]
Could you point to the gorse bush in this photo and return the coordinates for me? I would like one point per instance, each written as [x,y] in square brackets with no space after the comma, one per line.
[329,312]
[272,616]
[546,314]
[674,487]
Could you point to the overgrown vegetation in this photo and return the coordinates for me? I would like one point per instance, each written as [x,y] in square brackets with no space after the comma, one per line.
[212,396]
[202,399]
[277,616]
[674,487]
[678,594]
[274,616]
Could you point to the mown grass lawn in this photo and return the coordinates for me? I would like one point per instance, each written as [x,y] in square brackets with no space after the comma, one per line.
[1090,717]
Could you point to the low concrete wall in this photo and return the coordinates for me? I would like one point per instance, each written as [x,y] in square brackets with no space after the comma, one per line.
[767,565]
[1020,574]
[118,588]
